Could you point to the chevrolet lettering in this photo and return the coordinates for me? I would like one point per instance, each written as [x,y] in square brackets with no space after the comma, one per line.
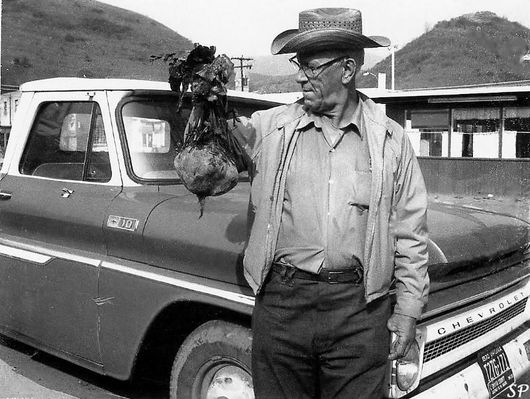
[100,240]
[482,313]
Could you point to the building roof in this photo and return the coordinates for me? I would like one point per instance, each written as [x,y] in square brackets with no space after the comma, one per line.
[490,89]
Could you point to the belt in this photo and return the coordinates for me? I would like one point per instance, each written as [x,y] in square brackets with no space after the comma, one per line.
[351,275]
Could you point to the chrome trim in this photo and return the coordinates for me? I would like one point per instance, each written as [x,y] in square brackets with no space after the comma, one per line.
[231,296]
[482,295]
[49,252]
[23,254]
[446,326]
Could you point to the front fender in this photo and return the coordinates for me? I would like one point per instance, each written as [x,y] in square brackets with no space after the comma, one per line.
[132,295]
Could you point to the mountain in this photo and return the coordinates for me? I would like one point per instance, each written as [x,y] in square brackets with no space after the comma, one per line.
[273,84]
[48,38]
[473,48]
[277,65]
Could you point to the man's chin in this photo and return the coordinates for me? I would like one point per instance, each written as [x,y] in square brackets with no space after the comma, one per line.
[311,106]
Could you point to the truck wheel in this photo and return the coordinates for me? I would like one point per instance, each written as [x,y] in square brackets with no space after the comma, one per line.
[213,363]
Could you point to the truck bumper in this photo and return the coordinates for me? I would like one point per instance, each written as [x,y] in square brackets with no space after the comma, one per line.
[469,383]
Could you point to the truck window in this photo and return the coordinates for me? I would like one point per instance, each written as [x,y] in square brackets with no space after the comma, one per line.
[67,141]
[153,131]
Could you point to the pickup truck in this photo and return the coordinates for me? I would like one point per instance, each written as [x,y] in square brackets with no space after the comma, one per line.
[105,262]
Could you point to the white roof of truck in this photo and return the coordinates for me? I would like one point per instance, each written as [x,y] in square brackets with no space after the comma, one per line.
[77,84]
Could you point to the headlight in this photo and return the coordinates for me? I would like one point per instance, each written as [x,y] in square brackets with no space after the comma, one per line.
[405,373]
[408,368]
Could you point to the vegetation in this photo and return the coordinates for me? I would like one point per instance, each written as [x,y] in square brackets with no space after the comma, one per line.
[471,49]
[85,38]
[50,38]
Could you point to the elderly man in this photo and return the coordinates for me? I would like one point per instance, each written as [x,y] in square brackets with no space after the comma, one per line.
[338,212]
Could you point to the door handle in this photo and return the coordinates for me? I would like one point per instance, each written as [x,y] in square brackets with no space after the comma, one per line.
[4,196]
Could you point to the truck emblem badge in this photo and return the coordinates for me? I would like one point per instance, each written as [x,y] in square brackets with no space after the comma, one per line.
[123,223]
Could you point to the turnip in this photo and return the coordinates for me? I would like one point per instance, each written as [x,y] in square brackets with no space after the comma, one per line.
[209,160]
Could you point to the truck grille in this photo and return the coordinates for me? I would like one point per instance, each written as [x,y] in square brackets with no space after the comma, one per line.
[446,344]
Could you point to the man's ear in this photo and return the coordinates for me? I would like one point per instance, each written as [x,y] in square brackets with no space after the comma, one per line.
[349,70]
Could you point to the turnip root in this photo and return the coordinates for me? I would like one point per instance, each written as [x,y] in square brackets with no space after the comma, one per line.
[206,170]
[209,159]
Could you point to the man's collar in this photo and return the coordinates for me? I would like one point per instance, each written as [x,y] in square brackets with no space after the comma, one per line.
[356,119]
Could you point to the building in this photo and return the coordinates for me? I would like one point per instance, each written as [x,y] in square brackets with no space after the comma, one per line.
[8,103]
[469,140]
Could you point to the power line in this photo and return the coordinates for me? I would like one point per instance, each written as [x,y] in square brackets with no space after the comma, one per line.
[241,67]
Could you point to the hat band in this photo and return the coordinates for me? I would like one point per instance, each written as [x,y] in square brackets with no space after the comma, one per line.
[354,26]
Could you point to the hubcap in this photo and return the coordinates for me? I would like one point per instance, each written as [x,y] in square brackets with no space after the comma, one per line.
[231,382]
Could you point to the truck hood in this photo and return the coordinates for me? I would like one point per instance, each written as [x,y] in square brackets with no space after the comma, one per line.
[464,243]
[463,233]
[469,243]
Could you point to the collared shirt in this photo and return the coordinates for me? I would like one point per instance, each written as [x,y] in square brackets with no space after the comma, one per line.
[325,205]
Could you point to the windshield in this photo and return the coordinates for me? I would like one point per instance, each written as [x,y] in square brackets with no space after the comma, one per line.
[153,130]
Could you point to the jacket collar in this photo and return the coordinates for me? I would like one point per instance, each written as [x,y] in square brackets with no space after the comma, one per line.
[290,114]
[309,118]
[372,118]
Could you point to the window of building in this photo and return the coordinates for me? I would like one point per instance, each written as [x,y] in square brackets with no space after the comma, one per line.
[5,107]
[16,104]
[428,131]
[516,134]
[67,141]
[475,133]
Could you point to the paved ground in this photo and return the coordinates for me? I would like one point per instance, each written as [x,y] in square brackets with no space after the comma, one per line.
[28,374]
[516,206]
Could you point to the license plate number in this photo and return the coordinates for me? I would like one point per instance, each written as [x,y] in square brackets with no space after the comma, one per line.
[496,369]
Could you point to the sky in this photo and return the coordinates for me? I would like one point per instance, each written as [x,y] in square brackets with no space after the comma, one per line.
[247,27]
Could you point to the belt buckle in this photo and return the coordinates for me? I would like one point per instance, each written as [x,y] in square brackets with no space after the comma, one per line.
[333,277]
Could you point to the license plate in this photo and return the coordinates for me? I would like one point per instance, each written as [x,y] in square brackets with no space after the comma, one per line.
[496,369]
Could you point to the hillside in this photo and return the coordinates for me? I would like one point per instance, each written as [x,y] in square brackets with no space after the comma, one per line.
[47,38]
[473,48]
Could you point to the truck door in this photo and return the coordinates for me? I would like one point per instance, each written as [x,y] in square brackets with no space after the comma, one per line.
[53,203]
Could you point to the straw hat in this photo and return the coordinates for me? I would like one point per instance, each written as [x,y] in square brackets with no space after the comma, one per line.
[326,28]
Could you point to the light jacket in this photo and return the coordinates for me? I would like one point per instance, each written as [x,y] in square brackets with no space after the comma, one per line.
[396,234]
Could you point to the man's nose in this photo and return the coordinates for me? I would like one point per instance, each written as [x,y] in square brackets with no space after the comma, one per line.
[301,77]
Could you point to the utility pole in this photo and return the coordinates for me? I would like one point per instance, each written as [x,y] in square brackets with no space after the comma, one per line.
[241,67]
[393,48]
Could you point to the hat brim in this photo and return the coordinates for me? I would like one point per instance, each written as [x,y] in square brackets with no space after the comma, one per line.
[292,41]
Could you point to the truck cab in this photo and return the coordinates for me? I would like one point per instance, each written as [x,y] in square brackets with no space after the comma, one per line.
[105,262]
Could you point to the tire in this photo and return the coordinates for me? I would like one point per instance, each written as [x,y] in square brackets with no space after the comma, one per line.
[213,363]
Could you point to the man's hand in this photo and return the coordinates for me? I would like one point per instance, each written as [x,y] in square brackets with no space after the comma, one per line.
[405,329]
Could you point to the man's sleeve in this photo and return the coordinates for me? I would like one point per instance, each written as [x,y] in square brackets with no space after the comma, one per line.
[409,228]
[247,134]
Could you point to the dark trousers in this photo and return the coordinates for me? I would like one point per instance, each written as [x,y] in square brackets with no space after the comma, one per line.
[312,339]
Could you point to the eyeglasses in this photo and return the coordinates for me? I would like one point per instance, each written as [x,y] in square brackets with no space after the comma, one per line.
[313,72]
